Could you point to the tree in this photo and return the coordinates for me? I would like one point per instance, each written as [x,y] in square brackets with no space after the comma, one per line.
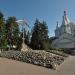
[51,39]
[3,40]
[27,38]
[39,39]
[12,32]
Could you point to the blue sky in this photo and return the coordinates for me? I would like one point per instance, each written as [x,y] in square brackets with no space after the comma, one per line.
[49,10]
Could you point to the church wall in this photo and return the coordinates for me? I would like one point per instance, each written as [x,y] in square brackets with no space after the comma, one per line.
[64,41]
[65,45]
[57,33]
[65,34]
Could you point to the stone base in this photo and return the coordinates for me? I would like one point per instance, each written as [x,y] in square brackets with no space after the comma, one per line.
[25,47]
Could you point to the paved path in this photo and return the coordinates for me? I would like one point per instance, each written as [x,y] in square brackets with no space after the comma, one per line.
[68,67]
[12,67]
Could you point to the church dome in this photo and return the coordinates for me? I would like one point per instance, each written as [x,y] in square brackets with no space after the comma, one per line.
[65,19]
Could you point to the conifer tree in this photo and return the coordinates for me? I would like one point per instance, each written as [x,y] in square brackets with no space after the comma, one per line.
[27,38]
[3,39]
[12,31]
[39,39]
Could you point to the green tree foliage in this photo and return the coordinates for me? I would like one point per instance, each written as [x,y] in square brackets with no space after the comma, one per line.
[27,38]
[12,32]
[3,40]
[9,35]
[39,39]
[51,39]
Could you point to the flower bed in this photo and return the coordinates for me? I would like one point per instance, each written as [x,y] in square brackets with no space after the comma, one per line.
[58,53]
[37,57]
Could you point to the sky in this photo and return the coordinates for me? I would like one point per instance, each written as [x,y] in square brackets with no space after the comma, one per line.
[50,11]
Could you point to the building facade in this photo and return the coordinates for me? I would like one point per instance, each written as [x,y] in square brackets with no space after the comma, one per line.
[65,34]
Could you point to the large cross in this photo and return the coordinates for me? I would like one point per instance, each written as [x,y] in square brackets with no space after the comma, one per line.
[24,24]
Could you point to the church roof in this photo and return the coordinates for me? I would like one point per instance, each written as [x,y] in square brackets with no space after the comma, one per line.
[65,19]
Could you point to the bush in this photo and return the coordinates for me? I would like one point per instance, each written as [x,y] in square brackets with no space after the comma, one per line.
[58,53]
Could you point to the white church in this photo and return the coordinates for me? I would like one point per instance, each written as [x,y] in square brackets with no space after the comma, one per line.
[65,34]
